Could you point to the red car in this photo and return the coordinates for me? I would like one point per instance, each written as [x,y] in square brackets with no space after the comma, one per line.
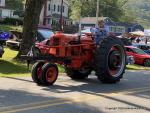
[139,55]
[43,46]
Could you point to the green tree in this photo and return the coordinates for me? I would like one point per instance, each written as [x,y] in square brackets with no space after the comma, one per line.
[137,11]
[15,4]
[109,8]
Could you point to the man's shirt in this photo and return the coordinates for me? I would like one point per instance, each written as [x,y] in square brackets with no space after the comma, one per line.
[98,34]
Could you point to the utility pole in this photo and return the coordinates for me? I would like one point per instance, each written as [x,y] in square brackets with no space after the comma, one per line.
[97,12]
[61,16]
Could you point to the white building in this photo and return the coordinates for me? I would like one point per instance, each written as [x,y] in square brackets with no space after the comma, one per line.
[51,12]
[2,3]
[5,12]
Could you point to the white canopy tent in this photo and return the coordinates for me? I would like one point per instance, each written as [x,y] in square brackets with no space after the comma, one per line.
[147,33]
[138,33]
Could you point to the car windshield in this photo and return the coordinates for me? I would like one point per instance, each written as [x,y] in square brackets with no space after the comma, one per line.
[45,33]
[139,51]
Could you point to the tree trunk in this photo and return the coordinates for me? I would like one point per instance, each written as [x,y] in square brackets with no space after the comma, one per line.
[31,19]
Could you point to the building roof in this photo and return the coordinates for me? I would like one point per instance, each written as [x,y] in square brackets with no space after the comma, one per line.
[91,20]
[55,15]
[126,24]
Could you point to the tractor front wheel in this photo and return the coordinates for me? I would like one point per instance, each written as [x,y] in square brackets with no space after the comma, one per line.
[110,60]
[49,74]
[78,74]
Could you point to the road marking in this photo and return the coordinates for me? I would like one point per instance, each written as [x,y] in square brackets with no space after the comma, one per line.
[49,105]
[130,91]
[138,91]
[35,107]
[134,90]
[30,104]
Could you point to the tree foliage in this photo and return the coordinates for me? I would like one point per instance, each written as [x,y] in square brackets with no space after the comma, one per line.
[108,8]
[15,4]
[137,11]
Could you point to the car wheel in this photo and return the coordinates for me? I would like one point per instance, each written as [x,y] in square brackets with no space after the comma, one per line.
[147,62]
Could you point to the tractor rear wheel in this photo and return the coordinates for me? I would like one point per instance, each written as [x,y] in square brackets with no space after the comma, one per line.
[49,74]
[110,60]
[77,74]
[36,72]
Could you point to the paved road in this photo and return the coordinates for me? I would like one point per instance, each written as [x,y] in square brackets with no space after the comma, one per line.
[131,95]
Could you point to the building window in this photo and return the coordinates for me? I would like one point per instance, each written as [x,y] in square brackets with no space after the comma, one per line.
[53,22]
[112,29]
[120,29]
[49,21]
[116,29]
[49,7]
[54,7]
[0,12]
[58,8]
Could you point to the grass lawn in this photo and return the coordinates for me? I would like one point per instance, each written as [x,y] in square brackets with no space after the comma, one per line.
[10,27]
[137,67]
[11,68]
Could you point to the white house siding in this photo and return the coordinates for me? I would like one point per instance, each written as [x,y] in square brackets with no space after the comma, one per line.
[54,7]
[6,13]
[2,3]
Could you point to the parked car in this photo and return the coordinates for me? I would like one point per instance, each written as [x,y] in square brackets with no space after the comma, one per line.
[16,39]
[4,35]
[1,50]
[144,47]
[139,55]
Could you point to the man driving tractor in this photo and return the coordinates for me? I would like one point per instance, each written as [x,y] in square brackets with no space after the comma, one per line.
[99,32]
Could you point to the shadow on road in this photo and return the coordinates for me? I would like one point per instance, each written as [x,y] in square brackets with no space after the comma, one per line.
[14,101]
[133,84]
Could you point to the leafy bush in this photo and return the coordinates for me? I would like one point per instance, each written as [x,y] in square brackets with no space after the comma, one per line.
[12,21]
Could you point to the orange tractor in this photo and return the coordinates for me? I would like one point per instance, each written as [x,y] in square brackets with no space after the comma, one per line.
[80,56]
